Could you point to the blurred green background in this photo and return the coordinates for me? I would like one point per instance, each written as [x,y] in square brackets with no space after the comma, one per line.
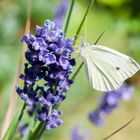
[120,19]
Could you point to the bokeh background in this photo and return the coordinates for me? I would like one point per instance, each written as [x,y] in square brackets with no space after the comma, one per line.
[120,19]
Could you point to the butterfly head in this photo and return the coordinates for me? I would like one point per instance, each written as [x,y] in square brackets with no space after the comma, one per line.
[84,44]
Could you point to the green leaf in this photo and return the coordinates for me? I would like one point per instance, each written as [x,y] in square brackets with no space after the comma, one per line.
[11,129]
[10,132]
[65,28]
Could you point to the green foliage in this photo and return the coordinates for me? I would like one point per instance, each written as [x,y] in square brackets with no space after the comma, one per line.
[11,130]
[134,46]
[114,3]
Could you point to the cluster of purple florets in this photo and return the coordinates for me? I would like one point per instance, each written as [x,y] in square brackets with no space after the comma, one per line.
[46,74]
[109,102]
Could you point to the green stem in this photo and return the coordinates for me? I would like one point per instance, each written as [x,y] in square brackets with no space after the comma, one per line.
[38,132]
[77,71]
[41,130]
[82,22]
[65,28]
[21,113]
[19,119]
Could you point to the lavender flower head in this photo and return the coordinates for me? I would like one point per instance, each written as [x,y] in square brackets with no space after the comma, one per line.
[60,13]
[46,74]
[109,102]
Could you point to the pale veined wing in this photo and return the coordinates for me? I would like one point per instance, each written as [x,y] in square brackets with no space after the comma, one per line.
[106,68]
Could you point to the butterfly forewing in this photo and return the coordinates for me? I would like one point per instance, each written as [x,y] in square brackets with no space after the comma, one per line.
[106,68]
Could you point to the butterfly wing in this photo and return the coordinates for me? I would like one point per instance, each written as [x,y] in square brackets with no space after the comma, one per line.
[106,68]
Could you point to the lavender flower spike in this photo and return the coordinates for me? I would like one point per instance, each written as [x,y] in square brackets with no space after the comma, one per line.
[49,62]
[109,102]
[60,13]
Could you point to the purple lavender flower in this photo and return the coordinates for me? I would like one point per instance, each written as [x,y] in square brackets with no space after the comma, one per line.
[109,102]
[126,92]
[60,13]
[22,129]
[47,57]
[77,135]
[64,62]
[39,44]
[96,118]
[49,60]
[53,120]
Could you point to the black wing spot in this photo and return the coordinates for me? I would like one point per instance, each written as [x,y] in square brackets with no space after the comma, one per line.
[117,68]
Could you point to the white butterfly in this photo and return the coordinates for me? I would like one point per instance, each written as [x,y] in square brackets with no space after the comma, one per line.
[107,69]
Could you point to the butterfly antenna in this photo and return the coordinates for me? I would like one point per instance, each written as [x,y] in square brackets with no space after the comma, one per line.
[99,37]
[86,32]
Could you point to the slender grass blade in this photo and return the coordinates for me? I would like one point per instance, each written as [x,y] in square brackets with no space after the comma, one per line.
[118,130]
[65,28]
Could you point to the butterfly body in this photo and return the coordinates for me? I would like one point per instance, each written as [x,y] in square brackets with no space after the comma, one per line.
[106,68]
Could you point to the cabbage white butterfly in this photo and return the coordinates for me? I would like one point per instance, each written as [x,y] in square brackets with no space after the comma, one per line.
[106,68]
